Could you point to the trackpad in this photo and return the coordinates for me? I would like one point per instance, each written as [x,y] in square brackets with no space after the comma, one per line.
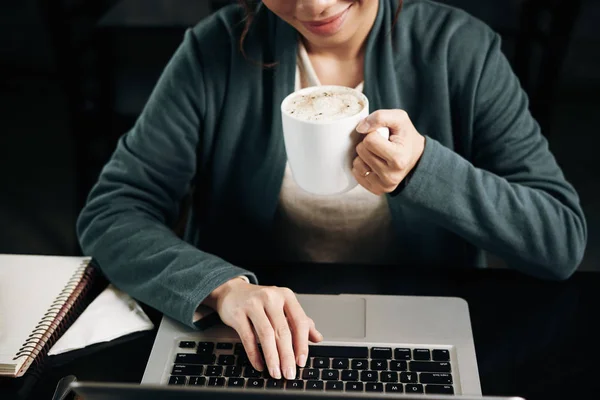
[337,317]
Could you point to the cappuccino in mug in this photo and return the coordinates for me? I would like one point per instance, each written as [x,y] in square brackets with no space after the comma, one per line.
[325,104]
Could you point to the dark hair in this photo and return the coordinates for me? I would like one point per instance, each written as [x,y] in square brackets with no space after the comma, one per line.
[250,5]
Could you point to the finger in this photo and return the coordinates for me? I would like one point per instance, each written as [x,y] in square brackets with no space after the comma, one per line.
[380,146]
[393,119]
[266,335]
[301,326]
[374,163]
[283,340]
[371,182]
[246,333]
[314,335]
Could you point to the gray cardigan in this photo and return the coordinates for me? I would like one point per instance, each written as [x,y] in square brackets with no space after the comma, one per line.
[486,181]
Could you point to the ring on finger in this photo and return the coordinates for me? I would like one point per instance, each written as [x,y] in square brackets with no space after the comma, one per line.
[367,173]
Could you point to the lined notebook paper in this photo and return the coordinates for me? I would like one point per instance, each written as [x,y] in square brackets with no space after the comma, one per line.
[39,297]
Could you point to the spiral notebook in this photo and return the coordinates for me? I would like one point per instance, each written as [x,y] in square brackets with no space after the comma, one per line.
[40,296]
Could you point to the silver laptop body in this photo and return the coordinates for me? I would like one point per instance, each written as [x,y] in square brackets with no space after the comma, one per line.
[414,322]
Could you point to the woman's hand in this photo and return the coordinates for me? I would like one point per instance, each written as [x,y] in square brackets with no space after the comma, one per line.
[272,313]
[382,164]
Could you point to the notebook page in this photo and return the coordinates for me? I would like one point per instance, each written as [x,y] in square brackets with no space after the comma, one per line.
[28,287]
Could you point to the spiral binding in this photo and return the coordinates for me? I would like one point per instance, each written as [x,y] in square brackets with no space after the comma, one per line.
[67,306]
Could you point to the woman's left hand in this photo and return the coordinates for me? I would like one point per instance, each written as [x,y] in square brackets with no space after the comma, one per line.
[382,164]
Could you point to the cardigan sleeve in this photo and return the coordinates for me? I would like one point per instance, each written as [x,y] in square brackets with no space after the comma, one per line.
[510,198]
[125,223]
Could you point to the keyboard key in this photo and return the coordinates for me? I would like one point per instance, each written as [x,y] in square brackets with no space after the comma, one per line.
[243,361]
[187,345]
[233,371]
[314,385]
[334,385]
[379,365]
[402,354]
[439,389]
[255,383]
[226,359]
[398,365]
[216,382]
[320,362]
[197,381]
[414,388]
[429,366]
[236,382]
[295,384]
[205,348]
[374,387]
[330,375]
[177,380]
[421,354]
[440,379]
[440,355]
[388,376]
[359,364]
[184,369]
[196,359]
[275,384]
[250,372]
[381,352]
[213,370]
[224,346]
[349,375]
[408,377]
[369,376]
[310,373]
[339,351]
[239,349]
[354,386]
[394,388]
[340,363]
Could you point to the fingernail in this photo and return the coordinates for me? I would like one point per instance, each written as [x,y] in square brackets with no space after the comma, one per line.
[275,373]
[302,360]
[290,373]
[364,126]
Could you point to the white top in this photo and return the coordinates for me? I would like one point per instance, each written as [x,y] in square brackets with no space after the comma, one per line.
[354,227]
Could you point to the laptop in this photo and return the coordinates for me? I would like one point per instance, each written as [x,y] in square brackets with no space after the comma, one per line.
[116,391]
[372,344]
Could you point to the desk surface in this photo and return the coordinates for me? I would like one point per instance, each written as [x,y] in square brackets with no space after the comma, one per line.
[533,338]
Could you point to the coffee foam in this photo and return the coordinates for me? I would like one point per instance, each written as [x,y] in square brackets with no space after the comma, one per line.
[324,105]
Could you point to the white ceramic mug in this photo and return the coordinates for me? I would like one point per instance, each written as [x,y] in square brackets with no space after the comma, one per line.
[320,153]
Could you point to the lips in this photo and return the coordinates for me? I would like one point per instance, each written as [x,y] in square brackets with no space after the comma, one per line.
[328,26]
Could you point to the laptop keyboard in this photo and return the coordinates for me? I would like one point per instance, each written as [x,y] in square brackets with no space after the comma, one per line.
[329,368]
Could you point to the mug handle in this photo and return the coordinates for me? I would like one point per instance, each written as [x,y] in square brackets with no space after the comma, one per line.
[384,131]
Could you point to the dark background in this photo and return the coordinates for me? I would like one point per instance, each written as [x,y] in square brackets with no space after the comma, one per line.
[74,75]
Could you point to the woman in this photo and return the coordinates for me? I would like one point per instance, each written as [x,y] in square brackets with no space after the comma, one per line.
[466,168]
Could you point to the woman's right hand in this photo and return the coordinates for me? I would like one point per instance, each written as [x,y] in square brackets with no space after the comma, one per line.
[275,316]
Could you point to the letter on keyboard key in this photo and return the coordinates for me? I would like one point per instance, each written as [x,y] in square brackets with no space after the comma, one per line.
[436,378]
[394,388]
[197,381]
[408,377]
[294,385]
[310,373]
[340,363]
[388,376]
[414,388]
[224,346]
[320,362]
[368,376]
[314,385]
[439,389]
[255,383]
[334,385]
[402,354]
[216,382]
[354,386]
[250,372]
[349,375]
[379,365]
[187,344]
[177,380]
[197,359]
[374,387]
[275,384]
[236,382]
[359,364]
[398,365]
[429,366]
[421,354]
[233,371]
[226,359]
[213,370]
[330,375]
